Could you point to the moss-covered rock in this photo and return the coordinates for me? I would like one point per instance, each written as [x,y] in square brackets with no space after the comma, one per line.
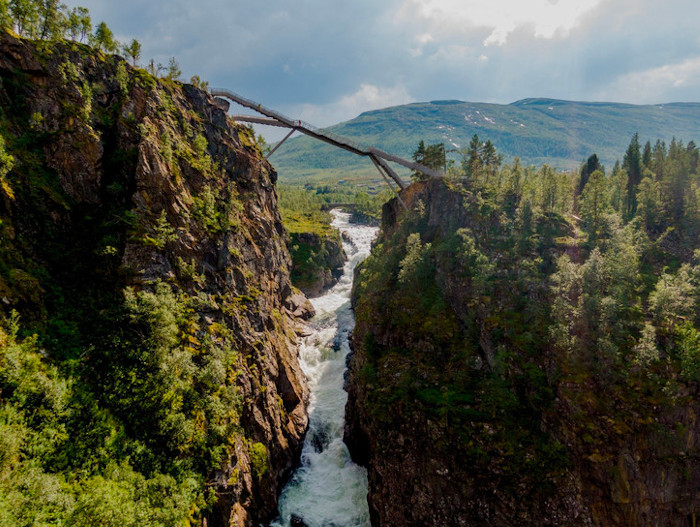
[317,260]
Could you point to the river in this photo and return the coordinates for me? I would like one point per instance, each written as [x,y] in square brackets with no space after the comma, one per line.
[328,489]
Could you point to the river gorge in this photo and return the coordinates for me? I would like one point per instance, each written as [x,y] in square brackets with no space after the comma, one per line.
[328,489]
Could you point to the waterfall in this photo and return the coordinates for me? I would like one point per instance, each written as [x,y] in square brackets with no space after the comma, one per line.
[328,489]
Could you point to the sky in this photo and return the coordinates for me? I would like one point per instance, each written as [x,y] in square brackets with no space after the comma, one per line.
[327,61]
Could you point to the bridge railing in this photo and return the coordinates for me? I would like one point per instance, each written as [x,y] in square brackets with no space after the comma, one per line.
[295,123]
[355,146]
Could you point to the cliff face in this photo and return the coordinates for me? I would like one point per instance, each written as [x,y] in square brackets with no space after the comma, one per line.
[467,409]
[141,241]
[317,261]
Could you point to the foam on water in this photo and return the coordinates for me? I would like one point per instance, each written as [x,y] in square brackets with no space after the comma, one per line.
[328,489]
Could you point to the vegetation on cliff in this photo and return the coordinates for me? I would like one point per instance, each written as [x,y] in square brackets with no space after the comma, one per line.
[529,340]
[315,247]
[148,374]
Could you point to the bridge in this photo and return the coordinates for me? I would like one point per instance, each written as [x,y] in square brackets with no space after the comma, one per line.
[331,206]
[274,118]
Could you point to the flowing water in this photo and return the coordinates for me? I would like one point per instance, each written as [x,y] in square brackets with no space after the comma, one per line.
[328,489]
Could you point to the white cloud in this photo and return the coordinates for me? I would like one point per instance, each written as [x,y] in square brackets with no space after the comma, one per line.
[367,97]
[453,53]
[548,18]
[656,84]
[422,40]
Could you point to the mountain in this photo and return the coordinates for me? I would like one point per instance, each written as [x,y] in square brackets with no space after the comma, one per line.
[559,133]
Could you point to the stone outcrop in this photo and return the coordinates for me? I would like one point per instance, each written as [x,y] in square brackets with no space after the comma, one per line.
[122,180]
[317,261]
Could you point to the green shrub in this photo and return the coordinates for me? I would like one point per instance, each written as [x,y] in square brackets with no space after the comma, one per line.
[416,253]
[163,232]
[216,213]
[205,209]
[86,93]
[122,78]
[7,162]
[259,459]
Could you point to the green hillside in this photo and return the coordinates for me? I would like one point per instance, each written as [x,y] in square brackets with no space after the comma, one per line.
[559,133]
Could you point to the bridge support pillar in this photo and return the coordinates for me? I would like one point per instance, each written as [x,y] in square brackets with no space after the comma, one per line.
[381,171]
[280,143]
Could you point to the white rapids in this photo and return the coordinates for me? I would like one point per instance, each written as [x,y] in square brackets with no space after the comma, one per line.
[328,489]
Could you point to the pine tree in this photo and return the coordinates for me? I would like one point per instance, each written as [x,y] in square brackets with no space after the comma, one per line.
[431,156]
[473,163]
[491,161]
[435,156]
[632,163]
[547,188]
[659,153]
[593,204]
[693,157]
[513,191]
[590,166]
[647,158]
[650,205]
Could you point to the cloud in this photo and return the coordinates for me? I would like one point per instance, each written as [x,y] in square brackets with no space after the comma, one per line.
[655,84]
[546,18]
[421,41]
[328,61]
[367,97]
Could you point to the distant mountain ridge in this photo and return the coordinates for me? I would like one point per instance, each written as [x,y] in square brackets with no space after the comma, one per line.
[538,130]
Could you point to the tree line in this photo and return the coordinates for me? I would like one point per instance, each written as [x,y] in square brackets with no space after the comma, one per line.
[52,20]
[656,184]
[618,250]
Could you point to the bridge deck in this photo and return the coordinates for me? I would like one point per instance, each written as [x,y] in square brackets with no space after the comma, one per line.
[378,156]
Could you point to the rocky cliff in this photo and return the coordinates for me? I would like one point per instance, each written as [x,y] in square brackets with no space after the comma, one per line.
[476,395]
[142,244]
[317,260]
